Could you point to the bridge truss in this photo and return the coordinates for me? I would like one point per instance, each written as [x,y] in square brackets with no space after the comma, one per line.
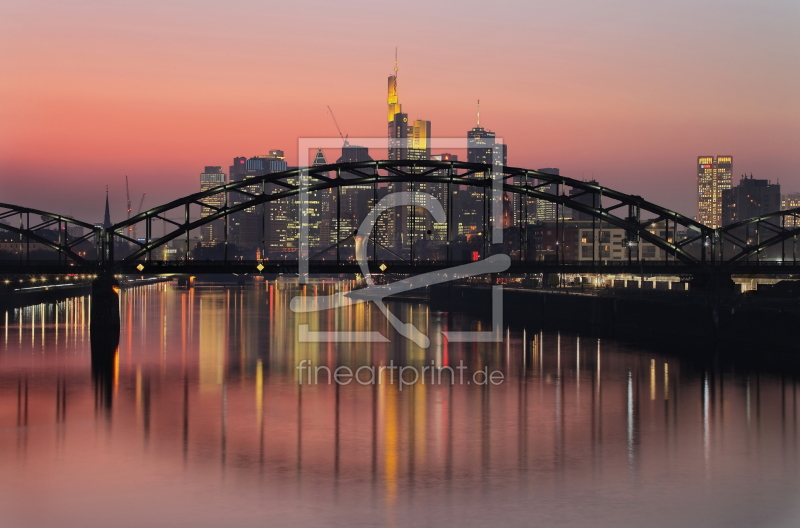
[576,209]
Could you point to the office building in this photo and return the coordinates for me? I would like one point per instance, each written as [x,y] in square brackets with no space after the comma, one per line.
[474,204]
[791,201]
[713,177]
[211,233]
[547,211]
[751,198]
[259,226]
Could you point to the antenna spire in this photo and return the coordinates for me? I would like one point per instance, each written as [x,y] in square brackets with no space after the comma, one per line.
[395,61]
[479,112]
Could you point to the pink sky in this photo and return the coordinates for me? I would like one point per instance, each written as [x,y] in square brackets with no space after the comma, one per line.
[626,93]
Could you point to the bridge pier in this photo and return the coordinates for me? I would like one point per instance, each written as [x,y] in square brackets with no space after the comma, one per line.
[104,326]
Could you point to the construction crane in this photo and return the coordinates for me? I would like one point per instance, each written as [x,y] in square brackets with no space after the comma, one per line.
[128,195]
[343,136]
[141,202]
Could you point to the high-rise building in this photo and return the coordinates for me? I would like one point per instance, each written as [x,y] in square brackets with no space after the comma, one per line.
[482,147]
[355,200]
[713,177]
[474,203]
[749,199]
[547,211]
[406,141]
[211,233]
[262,225]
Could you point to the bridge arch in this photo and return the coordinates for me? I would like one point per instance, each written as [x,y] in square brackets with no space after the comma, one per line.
[33,229]
[243,195]
[777,228]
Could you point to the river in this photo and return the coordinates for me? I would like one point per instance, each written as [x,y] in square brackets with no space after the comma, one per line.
[205,417]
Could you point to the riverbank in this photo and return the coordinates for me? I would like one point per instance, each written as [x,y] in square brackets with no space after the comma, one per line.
[27,296]
[734,321]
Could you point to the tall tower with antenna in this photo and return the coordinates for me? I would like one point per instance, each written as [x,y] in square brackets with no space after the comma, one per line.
[398,121]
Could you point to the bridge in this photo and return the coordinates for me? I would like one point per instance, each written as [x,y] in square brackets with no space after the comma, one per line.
[486,210]
[317,220]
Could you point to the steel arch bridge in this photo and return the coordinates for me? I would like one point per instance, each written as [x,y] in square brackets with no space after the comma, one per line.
[684,245]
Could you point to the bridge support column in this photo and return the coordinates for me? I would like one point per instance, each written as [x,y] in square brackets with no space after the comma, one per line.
[104,312]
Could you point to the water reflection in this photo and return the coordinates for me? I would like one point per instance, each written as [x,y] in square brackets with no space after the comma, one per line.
[198,415]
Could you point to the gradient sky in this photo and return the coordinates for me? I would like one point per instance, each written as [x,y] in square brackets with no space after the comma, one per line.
[627,92]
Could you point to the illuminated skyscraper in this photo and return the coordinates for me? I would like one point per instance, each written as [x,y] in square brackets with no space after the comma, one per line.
[546,211]
[211,232]
[398,121]
[406,141]
[473,204]
[713,177]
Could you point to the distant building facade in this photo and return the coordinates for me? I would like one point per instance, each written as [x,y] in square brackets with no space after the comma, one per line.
[751,198]
[580,240]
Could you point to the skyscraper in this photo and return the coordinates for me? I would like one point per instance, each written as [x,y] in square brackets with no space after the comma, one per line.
[398,121]
[713,177]
[405,142]
[482,147]
[211,233]
[547,211]
[482,144]
[259,225]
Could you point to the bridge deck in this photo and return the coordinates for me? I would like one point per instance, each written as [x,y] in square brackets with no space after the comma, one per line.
[195,267]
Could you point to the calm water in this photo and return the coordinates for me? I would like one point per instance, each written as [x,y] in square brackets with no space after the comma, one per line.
[200,421]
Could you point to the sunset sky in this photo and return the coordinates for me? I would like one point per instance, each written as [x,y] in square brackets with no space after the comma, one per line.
[627,92]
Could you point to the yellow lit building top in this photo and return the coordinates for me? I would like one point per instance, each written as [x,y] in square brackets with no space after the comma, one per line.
[394,107]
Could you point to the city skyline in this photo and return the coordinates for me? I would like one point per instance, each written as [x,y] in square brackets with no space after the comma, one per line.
[89,113]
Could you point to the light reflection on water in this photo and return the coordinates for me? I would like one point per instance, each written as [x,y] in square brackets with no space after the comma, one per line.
[200,420]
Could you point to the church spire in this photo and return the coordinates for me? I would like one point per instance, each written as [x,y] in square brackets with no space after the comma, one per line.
[107,216]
